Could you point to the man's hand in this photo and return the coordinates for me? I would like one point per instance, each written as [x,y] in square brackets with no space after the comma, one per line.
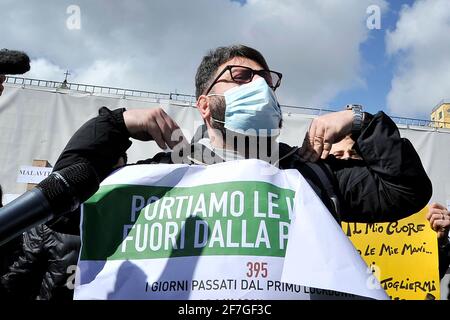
[439,219]
[323,132]
[2,79]
[153,124]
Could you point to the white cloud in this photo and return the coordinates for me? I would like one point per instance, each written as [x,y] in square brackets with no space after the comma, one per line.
[157,45]
[421,44]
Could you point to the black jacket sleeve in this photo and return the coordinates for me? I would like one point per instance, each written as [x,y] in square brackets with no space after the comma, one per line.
[389,184]
[101,142]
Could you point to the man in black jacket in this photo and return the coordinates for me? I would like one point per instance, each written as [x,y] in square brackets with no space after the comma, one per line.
[235,93]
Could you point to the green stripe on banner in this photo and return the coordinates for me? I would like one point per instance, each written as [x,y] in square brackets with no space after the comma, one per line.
[142,222]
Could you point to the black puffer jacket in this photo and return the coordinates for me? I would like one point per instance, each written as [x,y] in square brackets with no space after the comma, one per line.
[8,252]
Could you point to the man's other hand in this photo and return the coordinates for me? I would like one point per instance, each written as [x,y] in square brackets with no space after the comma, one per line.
[2,79]
[153,124]
[323,132]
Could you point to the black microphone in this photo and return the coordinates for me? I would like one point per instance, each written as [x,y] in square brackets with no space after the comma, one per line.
[13,62]
[61,192]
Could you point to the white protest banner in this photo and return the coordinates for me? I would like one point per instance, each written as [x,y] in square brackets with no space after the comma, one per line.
[195,232]
[35,175]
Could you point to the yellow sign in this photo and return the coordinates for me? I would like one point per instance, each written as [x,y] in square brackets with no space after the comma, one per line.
[402,255]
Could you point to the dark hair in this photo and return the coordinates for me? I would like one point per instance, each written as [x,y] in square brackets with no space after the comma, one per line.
[1,197]
[215,58]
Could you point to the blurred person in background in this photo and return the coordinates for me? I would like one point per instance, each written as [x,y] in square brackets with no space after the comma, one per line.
[44,265]
[439,219]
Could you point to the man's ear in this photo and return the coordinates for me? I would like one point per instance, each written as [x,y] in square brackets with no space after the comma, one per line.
[203,108]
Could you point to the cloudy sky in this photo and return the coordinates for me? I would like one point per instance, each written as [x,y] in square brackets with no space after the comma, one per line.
[324,48]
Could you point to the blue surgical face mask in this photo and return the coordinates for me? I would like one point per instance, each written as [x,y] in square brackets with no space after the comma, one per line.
[252,109]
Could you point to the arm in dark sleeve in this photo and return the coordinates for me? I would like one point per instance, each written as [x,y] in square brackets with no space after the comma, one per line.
[389,184]
[100,142]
